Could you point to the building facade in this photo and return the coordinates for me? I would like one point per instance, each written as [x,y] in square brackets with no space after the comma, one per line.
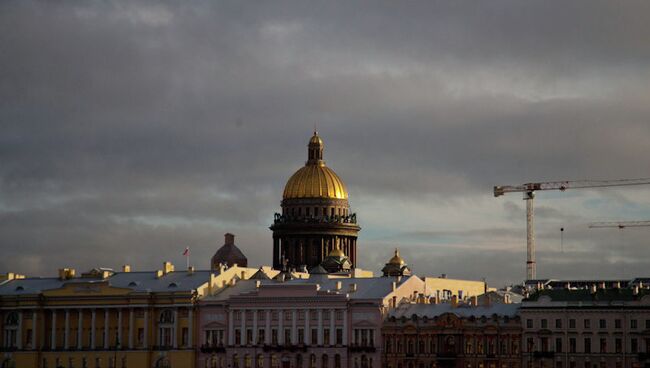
[320,322]
[421,335]
[315,217]
[587,328]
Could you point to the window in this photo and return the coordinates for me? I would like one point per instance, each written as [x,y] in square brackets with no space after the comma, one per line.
[326,336]
[301,336]
[287,336]
[530,343]
[11,330]
[572,323]
[529,323]
[587,348]
[647,324]
[544,323]
[261,336]
[572,345]
[633,324]
[274,336]
[314,336]
[602,323]
[558,323]
[617,324]
[184,336]
[558,345]
[603,345]
[237,336]
[165,328]
[339,336]
[249,336]
[634,346]
[618,345]
[587,323]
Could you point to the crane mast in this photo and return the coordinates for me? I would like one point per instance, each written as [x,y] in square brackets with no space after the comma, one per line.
[529,190]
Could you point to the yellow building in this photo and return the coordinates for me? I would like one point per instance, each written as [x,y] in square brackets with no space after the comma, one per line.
[106,319]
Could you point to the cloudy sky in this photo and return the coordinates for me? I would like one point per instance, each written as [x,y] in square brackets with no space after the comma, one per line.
[130,130]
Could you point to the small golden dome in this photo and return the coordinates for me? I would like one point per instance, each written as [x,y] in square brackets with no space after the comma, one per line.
[396,260]
[315,180]
[337,252]
[315,139]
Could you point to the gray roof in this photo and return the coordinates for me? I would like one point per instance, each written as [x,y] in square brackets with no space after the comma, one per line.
[367,287]
[463,310]
[145,281]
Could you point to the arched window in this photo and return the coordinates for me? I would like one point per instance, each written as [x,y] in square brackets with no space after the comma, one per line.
[364,361]
[163,363]
[298,361]
[260,360]
[248,361]
[8,363]
[275,362]
[11,330]
[235,361]
[312,361]
[325,361]
[337,361]
[166,328]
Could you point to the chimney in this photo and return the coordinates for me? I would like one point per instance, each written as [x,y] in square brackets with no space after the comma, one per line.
[353,288]
[394,286]
[640,284]
[66,273]
[635,290]
[168,267]
[190,269]
[230,239]
[593,288]
[243,275]
[617,285]
[443,276]
[394,302]
[159,274]
[567,285]
[602,285]
[338,285]
[454,301]
[473,301]
[126,268]
[506,299]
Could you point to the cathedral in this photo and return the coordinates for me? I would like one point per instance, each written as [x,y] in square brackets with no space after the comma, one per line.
[315,221]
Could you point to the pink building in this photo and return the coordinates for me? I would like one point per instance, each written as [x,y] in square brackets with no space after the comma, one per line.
[320,322]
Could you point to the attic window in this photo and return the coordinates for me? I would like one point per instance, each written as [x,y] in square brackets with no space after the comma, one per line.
[19,288]
[173,285]
[133,283]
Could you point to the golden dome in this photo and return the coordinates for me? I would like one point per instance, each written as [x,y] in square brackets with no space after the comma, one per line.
[396,260]
[337,252]
[315,180]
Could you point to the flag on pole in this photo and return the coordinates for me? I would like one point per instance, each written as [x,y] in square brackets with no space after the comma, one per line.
[186,252]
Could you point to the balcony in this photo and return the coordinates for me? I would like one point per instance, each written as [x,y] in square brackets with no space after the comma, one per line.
[287,348]
[543,354]
[336,219]
[213,348]
[361,349]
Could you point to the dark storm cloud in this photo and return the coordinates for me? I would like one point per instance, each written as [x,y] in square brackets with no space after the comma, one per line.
[130,129]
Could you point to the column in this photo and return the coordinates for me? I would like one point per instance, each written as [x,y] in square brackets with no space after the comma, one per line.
[242,335]
[281,327]
[53,329]
[231,328]
[320,327]
[175,330]
[80,329]
[294,330]
[190,326]
[345,327]
[66,331]
[307,330]
[34,328]
[146,328]
[255,330]
[131,324]
[120,342]
[92,328]
[332,341]
[267,333]
[105,328]
[19,332]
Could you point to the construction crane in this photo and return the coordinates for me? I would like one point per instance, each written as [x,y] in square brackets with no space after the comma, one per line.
[618,224]
[529,190]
